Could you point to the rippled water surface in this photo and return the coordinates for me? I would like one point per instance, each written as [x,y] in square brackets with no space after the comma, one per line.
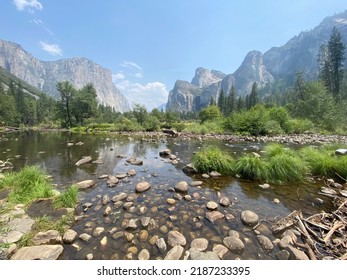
[50,151]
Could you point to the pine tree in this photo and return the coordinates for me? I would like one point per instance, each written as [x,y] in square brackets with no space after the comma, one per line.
[253,97]
[331,59]
[231,102]
[222,102]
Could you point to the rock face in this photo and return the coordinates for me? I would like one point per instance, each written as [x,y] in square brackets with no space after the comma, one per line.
[298,54]
[44,75]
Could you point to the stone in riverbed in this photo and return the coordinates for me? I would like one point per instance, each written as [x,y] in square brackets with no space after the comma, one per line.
[49,237]
[175,253]
[165,152]
[282,255]
[171,201]
[214,174]
[196,183]
[199,244]
[43,252]
[249,218]
[190,169]
[214,216]
[176,238]
[119,197]
[234,244]
[145,221]
[265,242]
[224,201]
[108,210]
[211,205]
[105,199]
[161,245]
[196,255]
[143,235]
[98,231]
[121,175]
[220,250]
[83,160]
[341,152]
[131,224]
[132,172]
[112,181]
[69,236]
[181,186]
[85,184]
[142,187]
[144,255]
[296,254]
[85,237]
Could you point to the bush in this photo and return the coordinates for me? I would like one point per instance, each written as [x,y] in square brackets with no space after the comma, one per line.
[207,127]
[125,124]
[252,167]
[299,126]
[273,128]
[213,159]
[152,124]
[249,122]
[27,185]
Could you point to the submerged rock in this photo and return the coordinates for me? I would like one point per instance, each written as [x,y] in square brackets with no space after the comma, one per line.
[249,218]
[182,186]
[83,160]
[142,187]
[85,184]
[199,244]
[190,169]
[176,238]
[175,253]
[234,244]
[214,216]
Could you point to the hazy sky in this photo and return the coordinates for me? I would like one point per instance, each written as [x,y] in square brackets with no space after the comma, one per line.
[149,44]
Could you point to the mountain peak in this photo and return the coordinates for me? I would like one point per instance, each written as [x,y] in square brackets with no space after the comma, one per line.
[204,77]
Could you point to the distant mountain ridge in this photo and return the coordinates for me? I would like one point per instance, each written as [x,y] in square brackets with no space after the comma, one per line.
[279,63]
[44,75]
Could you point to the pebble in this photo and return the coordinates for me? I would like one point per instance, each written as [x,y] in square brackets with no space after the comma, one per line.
[211,205]
[249,218]
[199,244]
[142,187]
[176,238]
[182,186]
[144,255]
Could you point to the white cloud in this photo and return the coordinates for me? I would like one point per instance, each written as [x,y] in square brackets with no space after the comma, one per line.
[138,75]
[52,49]
[118,77]
[131,65]
[40,23]
[21,5]
[151,95]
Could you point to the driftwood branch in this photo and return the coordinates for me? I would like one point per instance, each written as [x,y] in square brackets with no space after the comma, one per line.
[336,226]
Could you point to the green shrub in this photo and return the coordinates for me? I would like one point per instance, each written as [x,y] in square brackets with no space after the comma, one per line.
[206,127]
[274,149]
[151,123]
[67,199]
[273,128]
[213,159]
[252,167]
[27,185]
[179,126]
[299,126]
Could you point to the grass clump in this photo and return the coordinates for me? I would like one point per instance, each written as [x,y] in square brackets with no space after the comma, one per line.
[213,159]
[252,167]
[67,199]
[27,185]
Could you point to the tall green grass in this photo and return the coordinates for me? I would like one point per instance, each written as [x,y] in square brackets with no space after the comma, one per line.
[27,185]
[252,167]
[67,199]
[213,159]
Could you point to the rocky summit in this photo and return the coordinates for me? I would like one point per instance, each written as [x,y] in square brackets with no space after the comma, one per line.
[44,75]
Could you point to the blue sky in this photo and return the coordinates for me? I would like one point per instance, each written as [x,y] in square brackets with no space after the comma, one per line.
[149,44]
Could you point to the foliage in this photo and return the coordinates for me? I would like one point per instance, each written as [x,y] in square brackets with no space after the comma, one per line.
[213,159]
[152,123]
[27,185]
[67,199]
[252,167]
[216,127]
[211,113]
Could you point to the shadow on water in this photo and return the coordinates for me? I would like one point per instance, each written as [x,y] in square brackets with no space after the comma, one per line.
[50,150]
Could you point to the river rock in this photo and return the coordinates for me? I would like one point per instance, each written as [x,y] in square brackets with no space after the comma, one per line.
[196,183]
[171,201]
[98,231]
[129,236]
[132,172]
[128,205]
[85,184]
[220,250]
[176,238]
[282,255]
[49,237]
[103,176]
[144,255]
[285,242]
[234,233]
[341,152]
[190,169]
[291,234]
[103,241]
[276,201]
[83,160]
[11,237]
[160,243]
[69,236]
[143,235]
[214,174]
[234,244]
[145,221]
[211,205]
[175,253]
[43,252]
[224,201]
[142,187]
[112,181]
[249,218]
[296,254]
[131,224]
[121,176]
[85,237]
[264,186]
[265,242]
[105,199]
[197,255]
[181,186]
[165,152]
[108,210]
[119,197]
[213,216]
[199,244]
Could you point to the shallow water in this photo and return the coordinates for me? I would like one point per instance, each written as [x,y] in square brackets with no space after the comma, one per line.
[49,150]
